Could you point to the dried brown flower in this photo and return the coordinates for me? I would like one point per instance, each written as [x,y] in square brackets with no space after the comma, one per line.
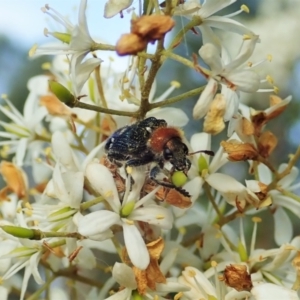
[266,143]
[130,43]
[213,122]
[152,27]
[237,277]
[238,151]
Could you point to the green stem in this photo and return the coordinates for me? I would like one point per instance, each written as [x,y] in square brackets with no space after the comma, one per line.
[39,235]
[179,58]
[88,204]
[83,105]
[212,200]
[46,285]
[196,21]
[178,98]
[156,64]
[286,171]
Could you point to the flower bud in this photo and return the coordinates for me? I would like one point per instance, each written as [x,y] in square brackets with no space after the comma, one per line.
[19,232]
[61,92]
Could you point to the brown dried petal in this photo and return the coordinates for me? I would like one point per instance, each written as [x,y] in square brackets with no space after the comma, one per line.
[171,196]
[267,143]
[238,151]
[130,44]
[259,120]
[213,122]
[55,107]
[152,27]
[175,198]
[152,275]
[237,277]
[247,127]
[15,179]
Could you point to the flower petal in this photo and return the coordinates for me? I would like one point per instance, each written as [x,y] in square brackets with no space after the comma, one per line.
[153,214]
[124,275]
[282,234]
[102,181]
[206,97]
[97,222]
[135,245]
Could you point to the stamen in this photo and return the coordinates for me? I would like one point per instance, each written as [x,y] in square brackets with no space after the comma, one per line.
[254,233]
[244,8]
[270,79]
[163,96]
[160,217]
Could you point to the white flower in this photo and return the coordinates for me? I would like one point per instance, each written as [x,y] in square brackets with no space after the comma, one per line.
[125,213]
[113,7]
[27,254]
[282,199]
[201,287]
[233,191]
[78,43]
[205,11]
[78,39]
[23,128]
[233,76]
[273,291]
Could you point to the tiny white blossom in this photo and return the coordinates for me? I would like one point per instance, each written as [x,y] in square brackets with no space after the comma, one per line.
[233,75]
[206,11]
[96,222]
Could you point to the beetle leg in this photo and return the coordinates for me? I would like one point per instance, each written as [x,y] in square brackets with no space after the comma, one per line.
[155,171]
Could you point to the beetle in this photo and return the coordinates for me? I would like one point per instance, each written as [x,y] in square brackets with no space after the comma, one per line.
[150,140]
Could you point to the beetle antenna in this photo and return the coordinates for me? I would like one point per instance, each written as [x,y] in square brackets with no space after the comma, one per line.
[208,152]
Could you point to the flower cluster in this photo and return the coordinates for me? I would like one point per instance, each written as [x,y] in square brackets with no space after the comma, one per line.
[102,182]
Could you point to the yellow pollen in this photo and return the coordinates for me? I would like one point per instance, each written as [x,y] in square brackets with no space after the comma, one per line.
[38,160]
[249,64]
[4,151]
[247,37]
[108,194]
[218,235]
[182,230]
[4,96]
[156,297]
[213,263]
[276,89]
[245,8]
[28,212]
[32,50]
[33,192]
[270,79]
[192,273]
[28,205]
[129,222]
[19,210]
[108,269]
[256,219]
[290,247]
[1,280]
[125,80]
[178,296]
[175,84]
[129,170]
[159,217]
[46,66]
[47,151]
[269,57]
